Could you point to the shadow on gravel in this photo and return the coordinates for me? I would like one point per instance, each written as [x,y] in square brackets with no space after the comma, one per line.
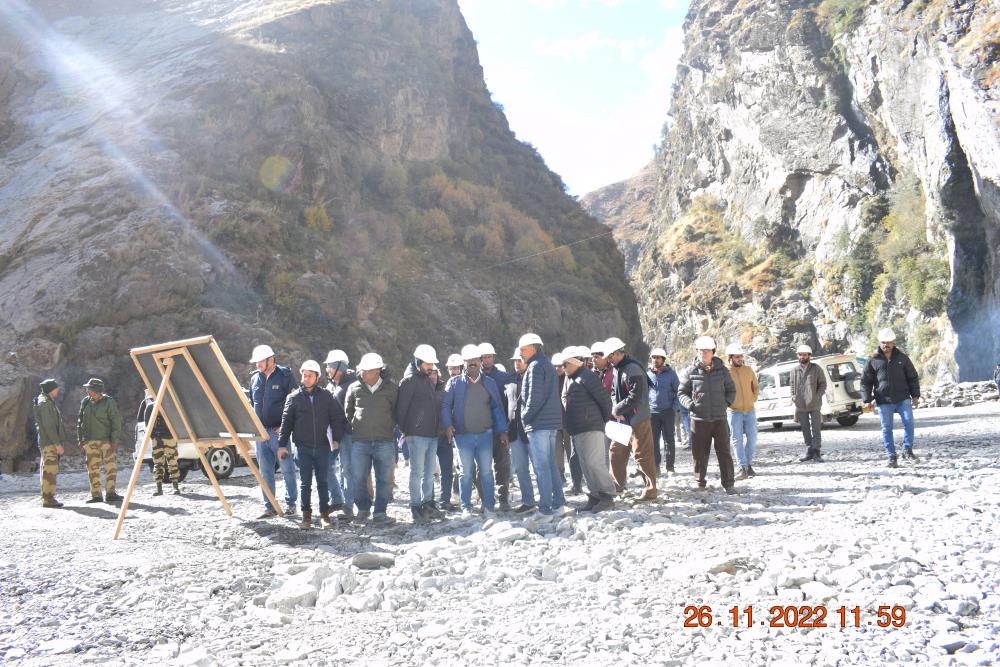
[199,496]
[172,511]
[96,512]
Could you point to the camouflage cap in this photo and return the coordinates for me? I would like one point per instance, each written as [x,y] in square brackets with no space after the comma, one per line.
[95,383]
[48,385]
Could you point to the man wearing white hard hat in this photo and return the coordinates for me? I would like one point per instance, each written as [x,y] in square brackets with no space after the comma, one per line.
[471,412]
[601,366]
[270,385]
[663,386]
[742,416]
[707,390]
[340,376]
[417,415]
[501,448]
[630,404]
[314,420]
[588,408]
[564,444]
[890,383]
[808,387]
[519,455]
[541,416]
[371,410]
[454,365]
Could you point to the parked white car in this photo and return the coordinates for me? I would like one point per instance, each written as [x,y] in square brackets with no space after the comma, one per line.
[222,459]
[842,400]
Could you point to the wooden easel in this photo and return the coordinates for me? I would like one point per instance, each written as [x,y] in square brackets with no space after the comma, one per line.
[165,356]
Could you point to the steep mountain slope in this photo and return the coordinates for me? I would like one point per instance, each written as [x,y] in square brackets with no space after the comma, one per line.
[310,173]
[829,168]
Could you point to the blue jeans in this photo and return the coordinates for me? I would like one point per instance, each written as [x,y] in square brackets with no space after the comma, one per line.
[267,456]
[905,411]
[314,461]
[541,449]
[743,424]
[520,459]
[422,453]
[446,459]
[366,454]
[476,449]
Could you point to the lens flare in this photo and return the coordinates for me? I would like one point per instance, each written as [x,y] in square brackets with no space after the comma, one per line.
[278,174]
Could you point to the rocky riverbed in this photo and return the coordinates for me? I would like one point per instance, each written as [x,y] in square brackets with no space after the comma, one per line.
[188,585]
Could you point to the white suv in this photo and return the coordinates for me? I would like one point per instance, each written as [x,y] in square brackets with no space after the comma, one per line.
[842,400]
[222,459]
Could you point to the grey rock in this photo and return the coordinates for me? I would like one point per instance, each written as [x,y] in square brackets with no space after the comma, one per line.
[373,560]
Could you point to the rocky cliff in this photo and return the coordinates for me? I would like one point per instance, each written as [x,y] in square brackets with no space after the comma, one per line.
[310,173]
[829,168]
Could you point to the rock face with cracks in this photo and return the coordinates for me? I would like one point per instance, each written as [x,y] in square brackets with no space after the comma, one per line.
[306,173]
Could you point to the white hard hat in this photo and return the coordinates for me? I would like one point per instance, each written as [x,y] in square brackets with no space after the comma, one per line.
[734,348]
[886,336]
[426,354]
[597,348]
[517,354]
[573,354]
[470,352]
[486,348]
[704,343]
[370,361]
[557,359]
[804,349]
[658,352]
[454,361]
[335,356]
[260,353]
[584,350]
[529,339]
[613,345]
[311,365]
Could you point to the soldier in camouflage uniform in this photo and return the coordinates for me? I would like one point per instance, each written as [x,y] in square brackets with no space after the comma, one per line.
[51,436]
[99,430]
[164,447]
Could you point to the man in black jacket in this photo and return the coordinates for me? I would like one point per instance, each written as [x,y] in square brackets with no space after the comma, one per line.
[890,382]
[588,408]
[315,421]
[417,416]
[164,446]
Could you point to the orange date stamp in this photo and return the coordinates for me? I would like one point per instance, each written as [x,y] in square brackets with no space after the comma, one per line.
[795,616]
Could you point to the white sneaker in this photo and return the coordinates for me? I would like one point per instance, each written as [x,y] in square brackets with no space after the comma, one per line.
[467,514]
[566,509]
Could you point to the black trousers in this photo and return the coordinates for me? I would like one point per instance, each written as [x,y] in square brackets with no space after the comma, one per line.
[662,424]
[446,459]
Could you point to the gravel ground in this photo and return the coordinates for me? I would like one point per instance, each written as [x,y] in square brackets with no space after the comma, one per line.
[188,585]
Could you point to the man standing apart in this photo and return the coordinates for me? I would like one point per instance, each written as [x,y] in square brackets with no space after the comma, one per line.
[417,416]
[99,430]
[891,383]
[588,408]
[270,386]
[309,411]
[371,411]
[541,417]
[501,448]
[808,387]
[742,416]
[707,390]
[663,385]
[51,436]
[471,412]
[630,404]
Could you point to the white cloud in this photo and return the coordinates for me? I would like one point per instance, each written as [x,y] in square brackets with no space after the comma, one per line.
[573,48]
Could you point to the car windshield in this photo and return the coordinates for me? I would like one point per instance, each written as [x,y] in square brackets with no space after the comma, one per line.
[766,381]
[838,372]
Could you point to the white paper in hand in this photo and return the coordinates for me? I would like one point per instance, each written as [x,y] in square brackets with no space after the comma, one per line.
[618,432]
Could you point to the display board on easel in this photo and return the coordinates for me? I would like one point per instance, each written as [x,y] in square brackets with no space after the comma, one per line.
[201,401]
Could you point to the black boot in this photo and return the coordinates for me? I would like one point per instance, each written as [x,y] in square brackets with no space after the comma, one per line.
[159,489]
[908,455]
[177,488]
[808,457]
[893,462]
[750,472]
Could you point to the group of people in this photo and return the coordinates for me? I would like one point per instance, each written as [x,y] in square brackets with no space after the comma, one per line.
[546,412]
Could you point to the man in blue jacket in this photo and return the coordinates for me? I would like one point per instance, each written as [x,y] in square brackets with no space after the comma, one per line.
[270,385]
[663,386]
[541,416]
[471,413]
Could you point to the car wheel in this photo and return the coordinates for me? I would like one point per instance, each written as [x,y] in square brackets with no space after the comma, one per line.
[778,425]
[222,461]
[183,473]
[849,420]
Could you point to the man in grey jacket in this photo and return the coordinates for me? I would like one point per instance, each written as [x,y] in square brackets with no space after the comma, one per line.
[808,387]
[588,408]
[707,390]
[417,417]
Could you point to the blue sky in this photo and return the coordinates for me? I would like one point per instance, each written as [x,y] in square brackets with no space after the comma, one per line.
[587,82]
